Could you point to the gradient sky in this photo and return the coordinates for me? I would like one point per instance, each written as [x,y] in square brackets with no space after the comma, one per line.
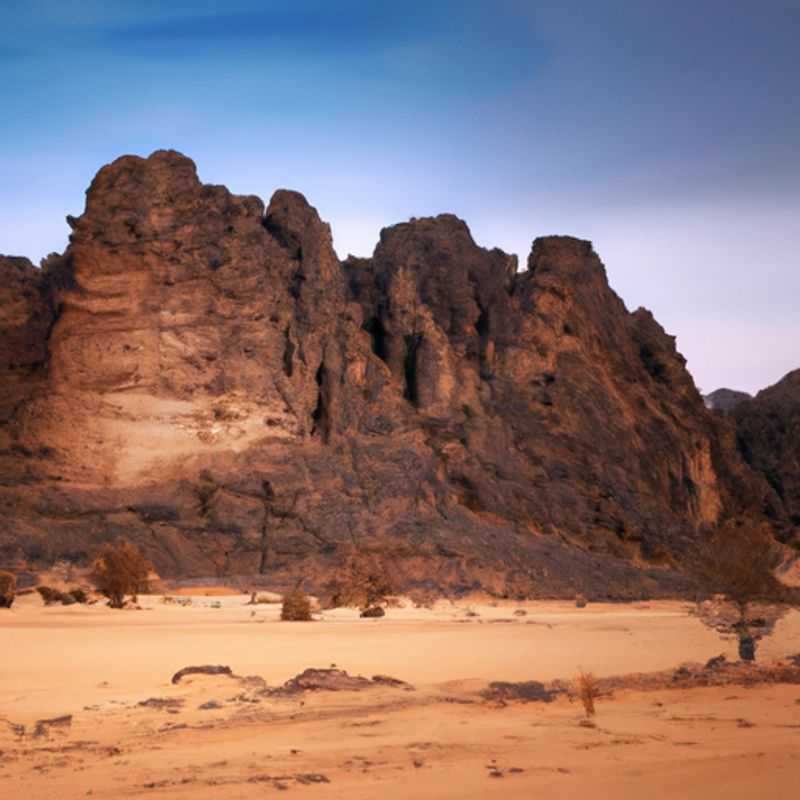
[666,131]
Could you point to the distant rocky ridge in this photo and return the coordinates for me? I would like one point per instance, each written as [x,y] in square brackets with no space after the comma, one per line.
[725,399]
[202,375]
[768,437]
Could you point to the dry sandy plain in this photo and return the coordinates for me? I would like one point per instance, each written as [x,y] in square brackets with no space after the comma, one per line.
[441,740]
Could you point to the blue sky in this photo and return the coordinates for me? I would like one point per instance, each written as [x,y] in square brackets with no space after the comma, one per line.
[666,132]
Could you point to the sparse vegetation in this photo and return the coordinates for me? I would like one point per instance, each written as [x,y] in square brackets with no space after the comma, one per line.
[738,562]
[51,596]
[79,596]
[586,689]
[120,570]
[580,601]
[8,589]
[296,606]
[365,581]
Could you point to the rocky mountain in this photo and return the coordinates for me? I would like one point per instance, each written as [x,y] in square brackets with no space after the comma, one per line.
[201,375]
[768,437]
[725,399]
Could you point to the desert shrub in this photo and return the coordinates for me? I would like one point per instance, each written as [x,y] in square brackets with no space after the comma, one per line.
[120,570]
[8,589]
[79,596]
[49,595]
[296,606]
[580,601]
[738,562]
[586,689]
[373,612]
[365,580]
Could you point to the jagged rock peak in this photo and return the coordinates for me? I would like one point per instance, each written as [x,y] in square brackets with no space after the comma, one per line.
[240,402]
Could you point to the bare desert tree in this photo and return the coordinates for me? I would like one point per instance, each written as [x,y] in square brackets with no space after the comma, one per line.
[738,561]
[365,580]
[120,570]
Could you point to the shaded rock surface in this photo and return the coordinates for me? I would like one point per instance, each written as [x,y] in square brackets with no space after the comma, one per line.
[725,399]
[205,669]
[332,680]
[525,691]
[768,437]
[202,375]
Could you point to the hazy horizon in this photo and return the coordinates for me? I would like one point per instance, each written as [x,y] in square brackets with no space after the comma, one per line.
[665,134]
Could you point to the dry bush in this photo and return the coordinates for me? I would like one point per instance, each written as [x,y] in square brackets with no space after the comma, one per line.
[580,601]
[365,580]
[79,596]
[50,596]
[120,570]
[586,689]
[8,589]
[738,562]
[296,606]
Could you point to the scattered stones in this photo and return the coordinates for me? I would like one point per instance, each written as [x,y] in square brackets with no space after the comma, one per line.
[332,680]
[525,691]
[715,662]
[15,728]
[201,670]
[394,683]
[43,727]
[162,703]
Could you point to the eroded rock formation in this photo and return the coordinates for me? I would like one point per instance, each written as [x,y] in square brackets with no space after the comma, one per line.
[768,436]
[725,399]
[202,375]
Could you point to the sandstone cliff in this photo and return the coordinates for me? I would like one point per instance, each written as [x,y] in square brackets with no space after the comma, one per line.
[201,375]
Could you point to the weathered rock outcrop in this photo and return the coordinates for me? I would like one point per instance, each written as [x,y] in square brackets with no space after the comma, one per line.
[768,437]
[725,399]
[202,375]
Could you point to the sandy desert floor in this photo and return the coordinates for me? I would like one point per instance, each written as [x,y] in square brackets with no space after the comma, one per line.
[442,739]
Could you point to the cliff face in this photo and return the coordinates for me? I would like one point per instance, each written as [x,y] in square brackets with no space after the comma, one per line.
[201,375]
[768,436]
